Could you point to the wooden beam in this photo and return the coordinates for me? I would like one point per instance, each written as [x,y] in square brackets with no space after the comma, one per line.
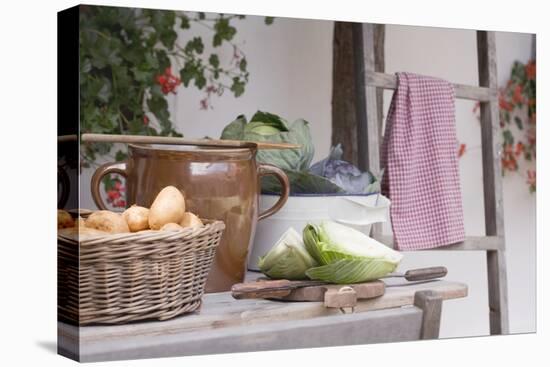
[373,135]
[388,81]
[368,126]
[492,183]
[360,103]
[471,243]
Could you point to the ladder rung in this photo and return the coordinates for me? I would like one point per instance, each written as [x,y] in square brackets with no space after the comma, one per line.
[388,81]
[471,243]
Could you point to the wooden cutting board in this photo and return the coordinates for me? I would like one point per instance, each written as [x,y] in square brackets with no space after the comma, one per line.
[333,295]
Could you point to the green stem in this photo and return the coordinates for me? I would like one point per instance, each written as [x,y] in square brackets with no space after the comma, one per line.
[97,32]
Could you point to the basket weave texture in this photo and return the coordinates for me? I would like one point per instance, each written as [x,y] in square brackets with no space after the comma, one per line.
[127,277]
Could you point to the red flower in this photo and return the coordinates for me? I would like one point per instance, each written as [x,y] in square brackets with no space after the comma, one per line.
[505,105]
[167,81]
[510,163]
[118,185]
[531,69]
[113,194]
[518,98]
[519,148]
[145,120]
[508,149]
[461,150]
[161,79]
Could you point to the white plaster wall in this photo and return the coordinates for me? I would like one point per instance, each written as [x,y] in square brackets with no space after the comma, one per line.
[290,66]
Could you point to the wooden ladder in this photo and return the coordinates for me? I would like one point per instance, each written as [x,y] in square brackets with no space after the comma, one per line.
[486,93]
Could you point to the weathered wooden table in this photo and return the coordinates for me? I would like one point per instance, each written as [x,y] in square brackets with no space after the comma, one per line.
[226,325]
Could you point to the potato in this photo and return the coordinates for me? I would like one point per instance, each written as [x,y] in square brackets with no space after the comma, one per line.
[80,222]
[191,220]
[64,219]
[168,207]
[107,221]
[137,218]
[81,233]
[172,227]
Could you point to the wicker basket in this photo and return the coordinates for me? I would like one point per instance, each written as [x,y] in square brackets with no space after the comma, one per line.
[134,276]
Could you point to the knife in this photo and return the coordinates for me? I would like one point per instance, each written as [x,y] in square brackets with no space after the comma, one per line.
[265,288]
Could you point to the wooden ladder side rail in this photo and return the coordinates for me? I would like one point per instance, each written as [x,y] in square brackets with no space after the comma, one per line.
[492,184]
[369,149]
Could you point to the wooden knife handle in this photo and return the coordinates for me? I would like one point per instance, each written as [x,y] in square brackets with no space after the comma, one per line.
[263,289]
[426,273]
[269,288]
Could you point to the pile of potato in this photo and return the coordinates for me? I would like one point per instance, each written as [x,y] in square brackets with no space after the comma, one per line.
[167,213]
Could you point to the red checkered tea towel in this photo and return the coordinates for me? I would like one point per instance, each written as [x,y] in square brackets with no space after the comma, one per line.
[420,160]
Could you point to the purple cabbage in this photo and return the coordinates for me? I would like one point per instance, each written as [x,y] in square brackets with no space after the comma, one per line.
[344,174]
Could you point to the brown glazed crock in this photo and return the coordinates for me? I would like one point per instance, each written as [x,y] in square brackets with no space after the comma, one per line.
[217,183]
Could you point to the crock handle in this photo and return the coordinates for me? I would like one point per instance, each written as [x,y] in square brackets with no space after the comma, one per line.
[100,172]
[268,169]
[65,184]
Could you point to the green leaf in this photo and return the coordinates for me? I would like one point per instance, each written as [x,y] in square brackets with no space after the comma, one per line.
[194,45]
[200,80]
[162,59]
[168,38]
[301,183]
[270,119]
[85,66]
[237,87]
[224,31]
[242,64]
[185,22]
[156,104]
[216,40]
[235,130]
[214,60]
[508,137]
[269,20]
[120,156]
[349,271]
[105,92]
[151,62]
[518,122]
[108,182]
[189,72]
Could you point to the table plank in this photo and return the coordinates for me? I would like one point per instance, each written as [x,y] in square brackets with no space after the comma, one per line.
[390,325]
[220,310]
